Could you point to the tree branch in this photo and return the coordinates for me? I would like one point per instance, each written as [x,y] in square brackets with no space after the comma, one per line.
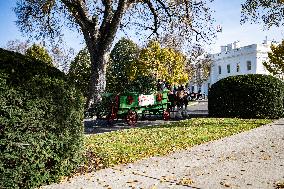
[166,9]
[80,14]
[155,15]
[110,26]
[107,13]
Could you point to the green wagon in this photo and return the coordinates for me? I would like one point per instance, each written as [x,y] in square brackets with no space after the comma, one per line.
[130,106]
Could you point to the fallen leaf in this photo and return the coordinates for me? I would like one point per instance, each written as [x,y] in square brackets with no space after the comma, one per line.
[185,182]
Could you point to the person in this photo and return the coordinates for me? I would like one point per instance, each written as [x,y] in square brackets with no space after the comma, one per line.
[158,85]
[181,88]
[199,95]
[180,96]
[175,89]
[161,85]
[168,85]
[172,99]
[186,99]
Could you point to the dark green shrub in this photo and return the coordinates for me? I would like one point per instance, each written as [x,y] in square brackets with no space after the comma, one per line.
[41,131]
[247,96]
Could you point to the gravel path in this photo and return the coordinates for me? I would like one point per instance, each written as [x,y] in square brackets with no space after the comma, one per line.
[253,159]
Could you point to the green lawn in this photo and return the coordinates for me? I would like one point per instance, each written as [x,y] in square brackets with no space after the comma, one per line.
[108,149]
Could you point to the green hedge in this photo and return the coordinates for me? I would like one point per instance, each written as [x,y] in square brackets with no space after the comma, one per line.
[247,96]
[41,131]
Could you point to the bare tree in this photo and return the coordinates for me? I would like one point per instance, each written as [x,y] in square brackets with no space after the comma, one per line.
[199,63]
[62,57]
[99,21]
[17,46]
[270,12]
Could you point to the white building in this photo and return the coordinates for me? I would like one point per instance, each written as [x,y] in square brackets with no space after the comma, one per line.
[236,60]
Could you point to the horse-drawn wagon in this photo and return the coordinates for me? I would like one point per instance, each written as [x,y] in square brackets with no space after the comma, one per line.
[131,106]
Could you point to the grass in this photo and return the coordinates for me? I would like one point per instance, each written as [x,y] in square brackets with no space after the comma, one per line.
[109,149]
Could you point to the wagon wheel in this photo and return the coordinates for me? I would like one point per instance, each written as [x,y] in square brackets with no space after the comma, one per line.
[166,115]
[131,118]
[114,109]
[111,117]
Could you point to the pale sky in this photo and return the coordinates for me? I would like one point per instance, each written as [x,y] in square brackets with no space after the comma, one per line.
[227,14]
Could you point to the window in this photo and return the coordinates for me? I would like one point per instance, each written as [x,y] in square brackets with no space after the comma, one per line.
[238,67]
[228,68]
[248,65]
[220,70]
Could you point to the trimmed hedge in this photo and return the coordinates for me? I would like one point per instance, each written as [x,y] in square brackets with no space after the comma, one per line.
[247,96]
[41,130]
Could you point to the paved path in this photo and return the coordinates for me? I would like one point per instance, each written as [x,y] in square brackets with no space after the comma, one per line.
[198,110]
[101,126]
[249,160]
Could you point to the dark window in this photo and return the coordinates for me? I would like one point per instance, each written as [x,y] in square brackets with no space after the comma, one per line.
[238,67]
[228,68]
[220,70]
[248,65]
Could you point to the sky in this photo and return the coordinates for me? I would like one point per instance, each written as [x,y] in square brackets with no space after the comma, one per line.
[227,14]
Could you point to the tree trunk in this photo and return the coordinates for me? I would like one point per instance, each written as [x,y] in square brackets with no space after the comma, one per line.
[99,42]
[99,59]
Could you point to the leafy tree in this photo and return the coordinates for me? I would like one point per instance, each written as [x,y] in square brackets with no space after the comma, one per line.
[143,84]
[270,12]
[99,21]
[163,63]
[275,64]
[39,53]
[121,71]
[80,71]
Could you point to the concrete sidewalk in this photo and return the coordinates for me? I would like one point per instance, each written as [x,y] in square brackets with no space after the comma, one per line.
[253,159]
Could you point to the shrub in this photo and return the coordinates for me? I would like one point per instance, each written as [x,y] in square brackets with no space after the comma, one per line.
[41,131]
[247,96]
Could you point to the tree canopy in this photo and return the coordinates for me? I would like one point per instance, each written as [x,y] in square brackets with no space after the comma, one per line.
[99,21]
[79,71]
[39,53]
[138,70]
[275,63]
[164,63]
[269,12]
[47,18]
[121,70]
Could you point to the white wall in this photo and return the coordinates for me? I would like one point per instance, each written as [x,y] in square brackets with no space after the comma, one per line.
[256,54]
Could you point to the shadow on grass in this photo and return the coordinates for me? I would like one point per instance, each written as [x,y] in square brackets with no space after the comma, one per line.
[206,122]
[102,126]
